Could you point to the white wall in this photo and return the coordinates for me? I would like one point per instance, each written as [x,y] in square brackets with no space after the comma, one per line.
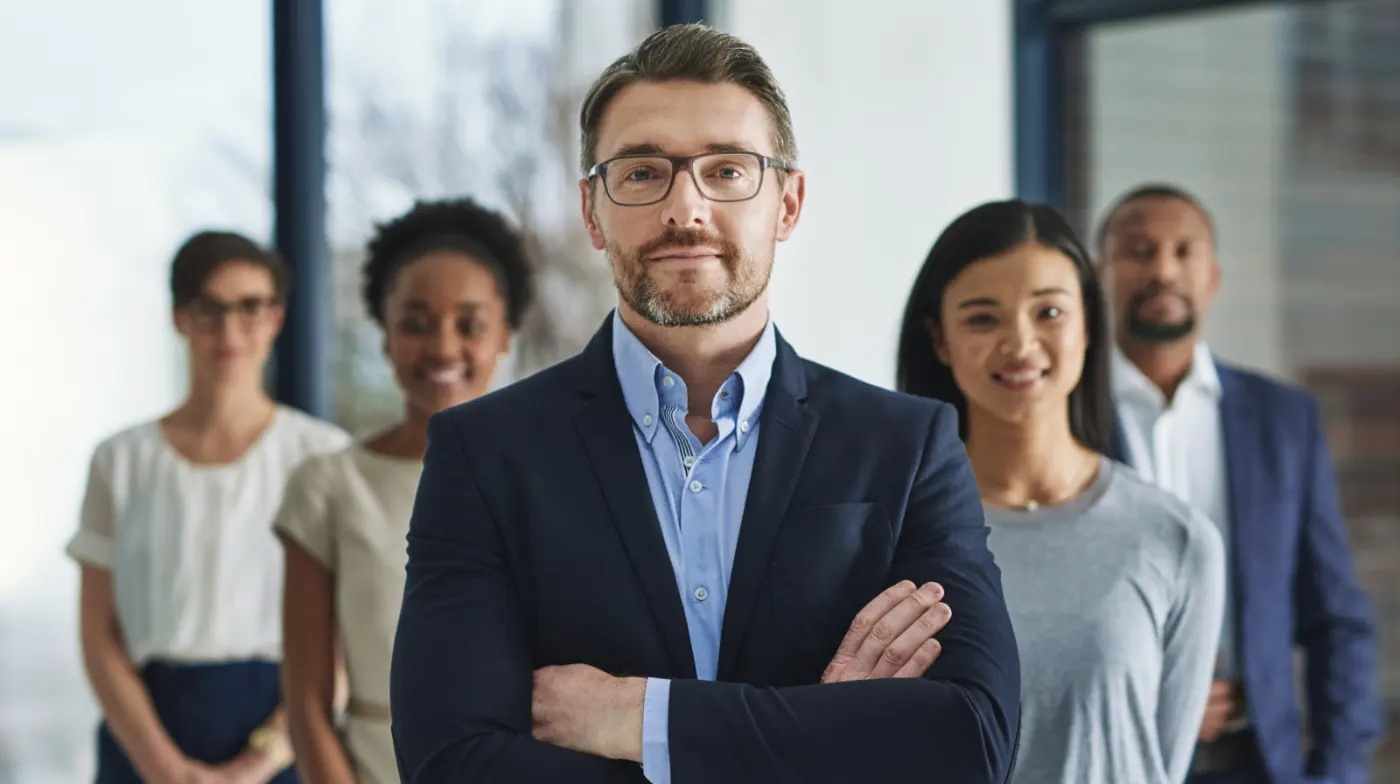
[903,117]
[1199,101]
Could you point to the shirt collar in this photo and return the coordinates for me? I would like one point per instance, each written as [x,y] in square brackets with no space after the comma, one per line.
[1130,383]
[643,376]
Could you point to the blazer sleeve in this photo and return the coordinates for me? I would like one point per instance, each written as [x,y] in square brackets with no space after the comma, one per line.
[957,723]
[462,674]
[1335,628]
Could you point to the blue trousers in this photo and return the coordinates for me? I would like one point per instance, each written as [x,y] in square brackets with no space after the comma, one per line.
[209,710]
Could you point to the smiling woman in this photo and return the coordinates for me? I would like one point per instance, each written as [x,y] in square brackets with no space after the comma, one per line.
[448,282]
[180,575]
[1115,587]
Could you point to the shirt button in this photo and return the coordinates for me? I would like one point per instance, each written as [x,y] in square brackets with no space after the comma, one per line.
[744,426]
[688,461]
[696,487]
[646,420]
[701,594]
[668,381]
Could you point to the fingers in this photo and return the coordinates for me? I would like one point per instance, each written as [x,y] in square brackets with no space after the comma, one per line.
[1219,710]
[889,629]
[902,649]
[923,658]
[864,621]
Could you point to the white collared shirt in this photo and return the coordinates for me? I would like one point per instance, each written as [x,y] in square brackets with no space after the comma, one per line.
[1180,447]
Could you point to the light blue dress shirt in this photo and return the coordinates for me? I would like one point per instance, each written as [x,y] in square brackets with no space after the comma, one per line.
[699,492]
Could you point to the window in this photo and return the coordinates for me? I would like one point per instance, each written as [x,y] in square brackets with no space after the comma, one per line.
[122,130]
[448,99]
[1285,119]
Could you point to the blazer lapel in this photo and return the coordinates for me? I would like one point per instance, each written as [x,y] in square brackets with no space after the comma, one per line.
[1238,425]
[787,426]
[606,430]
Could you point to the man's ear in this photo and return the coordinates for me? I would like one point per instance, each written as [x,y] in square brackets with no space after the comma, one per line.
[790,207]
[590,215]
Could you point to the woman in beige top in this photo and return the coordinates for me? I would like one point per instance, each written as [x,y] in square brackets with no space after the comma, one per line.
[448,282]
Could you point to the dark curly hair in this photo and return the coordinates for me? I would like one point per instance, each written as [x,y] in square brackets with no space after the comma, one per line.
[450,224]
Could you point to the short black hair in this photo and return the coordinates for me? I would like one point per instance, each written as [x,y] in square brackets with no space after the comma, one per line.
[204,252]
[1150,190]
[449,224]
[984,232]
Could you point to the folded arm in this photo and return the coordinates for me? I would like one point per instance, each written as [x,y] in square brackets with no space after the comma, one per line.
[462,673]
[1335,630]
[957,723]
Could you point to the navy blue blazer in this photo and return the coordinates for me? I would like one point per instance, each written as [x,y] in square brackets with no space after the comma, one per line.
[534,542]
[1294,585]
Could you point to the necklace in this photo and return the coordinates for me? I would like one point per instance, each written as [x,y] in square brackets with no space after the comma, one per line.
[1075,487]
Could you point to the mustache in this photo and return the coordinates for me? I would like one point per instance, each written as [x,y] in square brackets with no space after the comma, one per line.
[676,237]
[1151,290]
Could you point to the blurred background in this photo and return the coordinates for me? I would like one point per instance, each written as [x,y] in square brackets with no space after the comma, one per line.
[126,126]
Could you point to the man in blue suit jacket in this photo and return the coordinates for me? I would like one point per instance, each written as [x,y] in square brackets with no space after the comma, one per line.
[636,565]
[1250,453]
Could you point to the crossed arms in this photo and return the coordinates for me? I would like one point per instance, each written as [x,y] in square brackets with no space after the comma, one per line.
[475,723]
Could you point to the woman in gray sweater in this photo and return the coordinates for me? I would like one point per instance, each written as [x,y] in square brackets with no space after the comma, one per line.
[1115,587]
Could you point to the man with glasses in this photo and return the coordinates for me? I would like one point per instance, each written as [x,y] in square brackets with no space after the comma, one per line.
[687,554]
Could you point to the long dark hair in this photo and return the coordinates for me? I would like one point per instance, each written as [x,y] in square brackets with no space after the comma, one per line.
[980,233]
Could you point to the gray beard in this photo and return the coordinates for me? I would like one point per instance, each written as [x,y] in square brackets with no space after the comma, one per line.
[651,305]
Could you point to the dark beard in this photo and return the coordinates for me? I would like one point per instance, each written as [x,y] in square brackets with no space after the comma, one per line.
[1160,333]
[1156,332]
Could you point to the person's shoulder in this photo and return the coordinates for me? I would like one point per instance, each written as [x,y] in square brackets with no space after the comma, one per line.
[315,436]
[127,443]
[1160,512]
[832,388]
[325,470]
[1264,389]
[145,432]
[529,397]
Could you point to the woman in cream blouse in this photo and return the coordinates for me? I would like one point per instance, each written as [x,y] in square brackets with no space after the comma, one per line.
[448,282]
[181,576]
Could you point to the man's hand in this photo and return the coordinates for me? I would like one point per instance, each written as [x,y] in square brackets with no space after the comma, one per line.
[1222,707]
[585,709]
[893,636]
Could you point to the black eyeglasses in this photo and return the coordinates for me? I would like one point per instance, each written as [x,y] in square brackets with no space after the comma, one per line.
[640,180]
[208,313]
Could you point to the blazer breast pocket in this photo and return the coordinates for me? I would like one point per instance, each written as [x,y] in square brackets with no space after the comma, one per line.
[828,563]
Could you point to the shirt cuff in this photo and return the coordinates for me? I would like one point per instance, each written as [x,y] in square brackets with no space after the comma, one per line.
[656,748]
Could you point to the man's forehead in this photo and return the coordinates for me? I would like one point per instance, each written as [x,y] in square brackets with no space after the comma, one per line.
[1159,213]
[683,118]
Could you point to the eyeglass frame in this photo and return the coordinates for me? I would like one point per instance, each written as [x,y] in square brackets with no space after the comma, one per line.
[208,314]
[681,163]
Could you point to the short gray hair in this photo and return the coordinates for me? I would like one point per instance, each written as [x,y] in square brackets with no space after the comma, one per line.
[689,52]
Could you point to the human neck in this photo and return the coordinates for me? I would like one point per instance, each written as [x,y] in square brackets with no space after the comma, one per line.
[1166,365]
[704,356]
[223,408]
[1019,464]
[408,439]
